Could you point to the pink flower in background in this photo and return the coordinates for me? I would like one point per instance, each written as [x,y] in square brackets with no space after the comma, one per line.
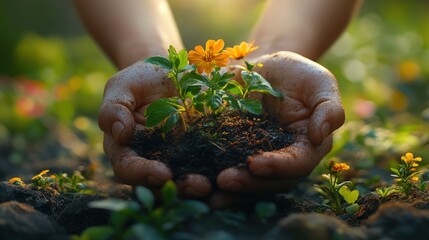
[31,87]
[32,98]
[29,107]
[364,108]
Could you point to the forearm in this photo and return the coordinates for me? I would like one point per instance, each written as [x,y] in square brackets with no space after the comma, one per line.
[130,30]
[306,27]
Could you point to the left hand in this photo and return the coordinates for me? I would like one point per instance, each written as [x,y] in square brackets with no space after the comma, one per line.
[311,108]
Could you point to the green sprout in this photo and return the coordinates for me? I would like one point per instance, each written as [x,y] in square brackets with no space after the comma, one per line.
[338,193]
[143,219]
[62,183]
[203,88]
[384,192]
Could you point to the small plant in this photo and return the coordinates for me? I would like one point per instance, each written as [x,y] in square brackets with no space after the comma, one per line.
[202,87]
[406,175]
[141,219]
[265,210]
[336,192]
[16,181]
[60,182]
[384,192]
[41,180]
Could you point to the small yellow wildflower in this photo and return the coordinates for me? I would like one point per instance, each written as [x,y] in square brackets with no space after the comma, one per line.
[415,179]
[242,50]
[210,57]
[409,158]
[340,167]
[16,180]
[40,174]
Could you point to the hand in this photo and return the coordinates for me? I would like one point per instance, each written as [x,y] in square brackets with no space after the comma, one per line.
[311,108]
[126,96]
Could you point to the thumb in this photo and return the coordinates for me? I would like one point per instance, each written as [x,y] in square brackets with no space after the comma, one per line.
[115,116]
[328,116]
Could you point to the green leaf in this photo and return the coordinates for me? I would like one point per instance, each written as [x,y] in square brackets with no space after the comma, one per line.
[256,83]
[213,100]
[145,196]
[395,171]
[192,82]
[170,122]
[144,231]
[249,65]
[234,87]
[160,61]
[265,209]
[169,193]
[111,204]
[349,196]
[172,54]
[183,58]
[191,208]
[97,233]
[251,105]
[352,209]
[161,110]
[219,80]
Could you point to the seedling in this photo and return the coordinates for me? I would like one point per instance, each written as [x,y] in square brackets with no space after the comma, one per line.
[406,175]
[203,88]
[384,192]
[141,219]
[60,182]
[338,193]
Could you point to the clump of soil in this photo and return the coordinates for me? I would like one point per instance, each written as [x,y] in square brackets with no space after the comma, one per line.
[213,143]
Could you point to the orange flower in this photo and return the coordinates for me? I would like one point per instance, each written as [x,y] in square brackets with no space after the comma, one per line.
[207,59]
[340,167]
[242,50]
[409,158]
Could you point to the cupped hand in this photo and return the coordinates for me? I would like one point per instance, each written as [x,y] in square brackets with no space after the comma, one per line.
[126,96]
[311,108]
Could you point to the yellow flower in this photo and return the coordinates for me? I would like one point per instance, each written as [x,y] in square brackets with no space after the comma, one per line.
[409,158]
[207,59]
[16,180]
[415,179]
[242,50]
[340,167]
[40,174]
[409,71]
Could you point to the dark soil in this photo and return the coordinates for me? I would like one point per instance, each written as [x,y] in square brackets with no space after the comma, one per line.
[69,210]
[212,144]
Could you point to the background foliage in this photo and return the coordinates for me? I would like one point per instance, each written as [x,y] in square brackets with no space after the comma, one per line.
[52,77]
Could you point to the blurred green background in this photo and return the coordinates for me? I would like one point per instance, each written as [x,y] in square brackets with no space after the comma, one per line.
[52,76]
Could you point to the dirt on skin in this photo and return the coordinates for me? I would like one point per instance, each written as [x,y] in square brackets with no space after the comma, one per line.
[213,144]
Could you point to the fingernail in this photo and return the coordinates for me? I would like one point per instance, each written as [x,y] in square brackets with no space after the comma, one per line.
[326,129]
[233,186]
[117,128]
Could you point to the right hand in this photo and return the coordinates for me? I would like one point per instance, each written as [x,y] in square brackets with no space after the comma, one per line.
[126,96]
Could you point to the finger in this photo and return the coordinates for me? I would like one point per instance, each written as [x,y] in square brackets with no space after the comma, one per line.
[293,162]
[327,116]
[115,117]
[129,168]
[243,182]
[194,186]
[126,94]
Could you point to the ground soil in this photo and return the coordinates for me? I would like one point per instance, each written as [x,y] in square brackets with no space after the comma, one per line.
[212,144]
